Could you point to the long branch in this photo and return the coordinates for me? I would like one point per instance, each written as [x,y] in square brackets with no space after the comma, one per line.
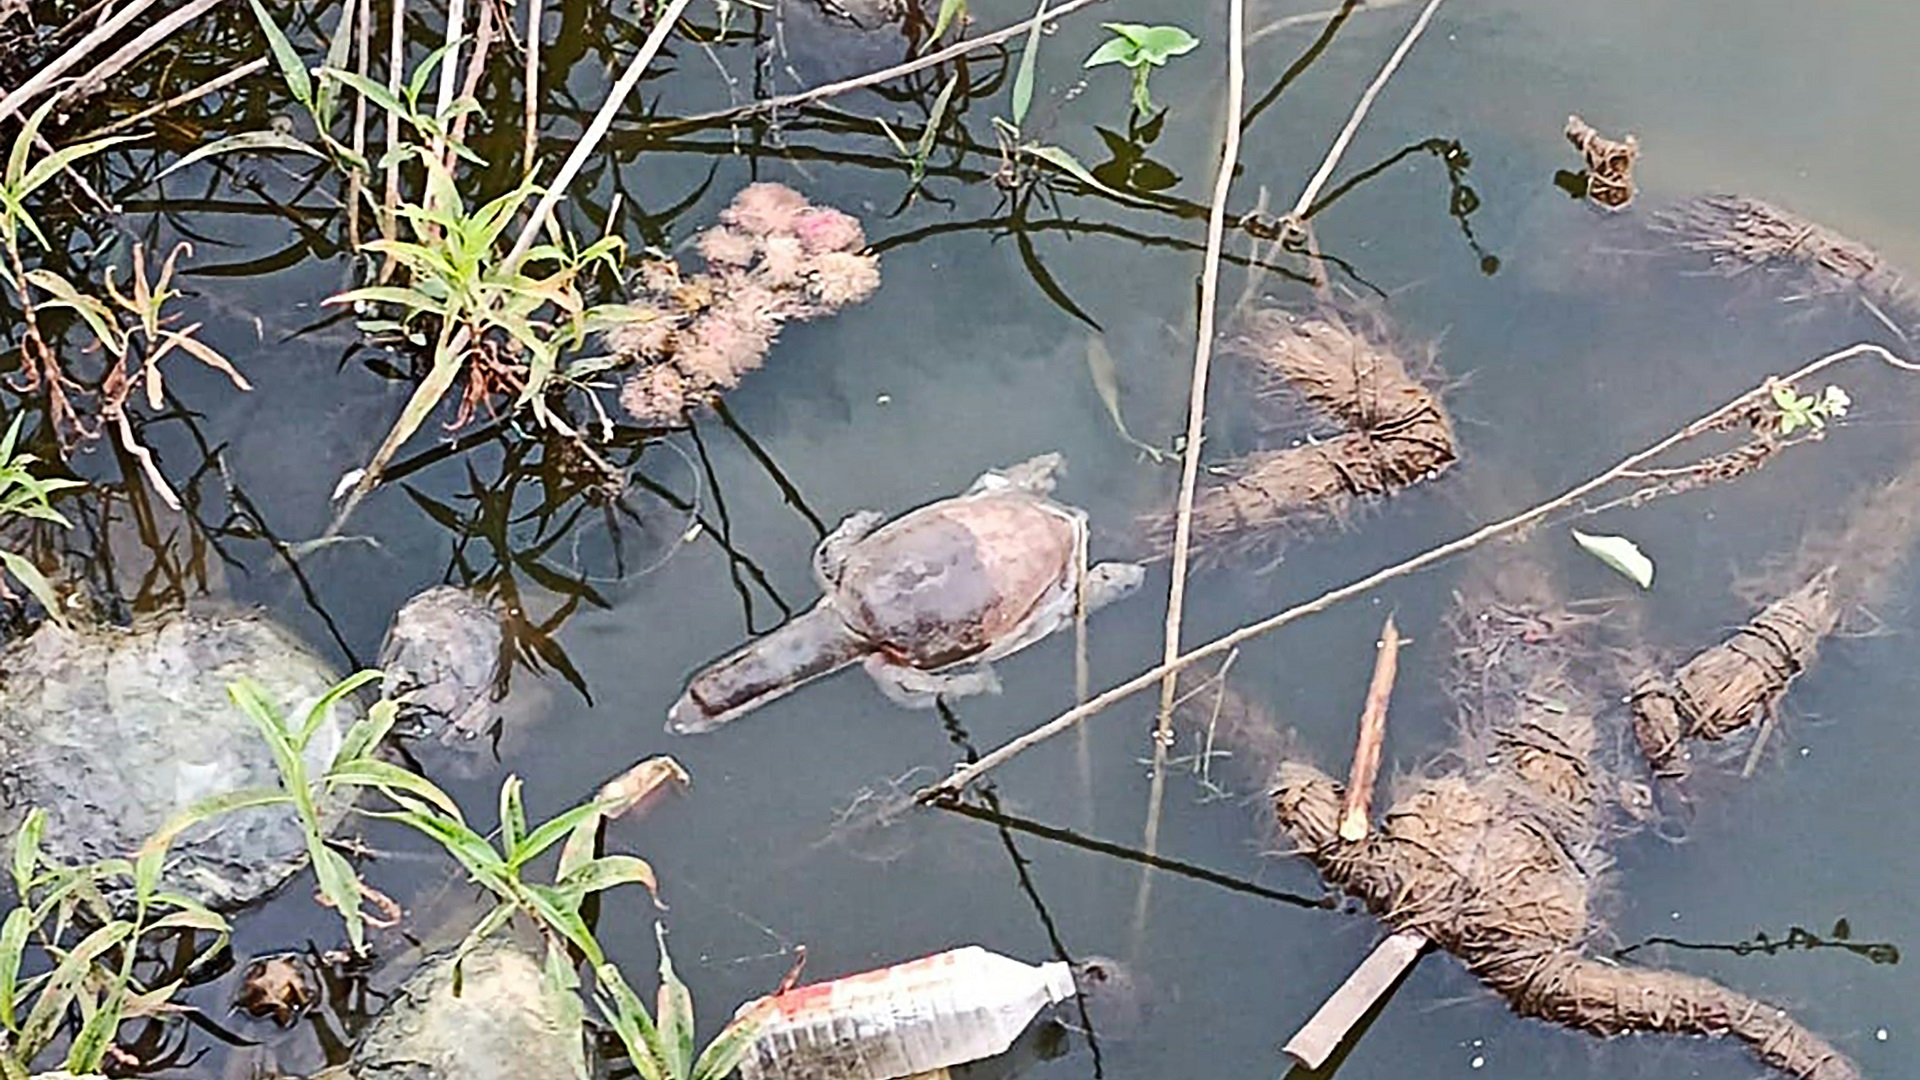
[920,63]
[962,776]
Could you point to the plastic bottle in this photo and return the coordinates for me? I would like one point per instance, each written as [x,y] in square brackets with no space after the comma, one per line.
[911,1018]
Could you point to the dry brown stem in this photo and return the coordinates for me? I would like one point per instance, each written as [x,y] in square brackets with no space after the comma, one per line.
[1373,733]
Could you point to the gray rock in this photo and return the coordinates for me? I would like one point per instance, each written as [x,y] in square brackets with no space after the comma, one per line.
[504,1025]
[114,731]
[442,659]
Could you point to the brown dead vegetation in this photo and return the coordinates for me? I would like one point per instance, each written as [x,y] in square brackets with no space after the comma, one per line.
[1497,853]
[1609,173]
[1740,235]
[1396,434]
[1731,685]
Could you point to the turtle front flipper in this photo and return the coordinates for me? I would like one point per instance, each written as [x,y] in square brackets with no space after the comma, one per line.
[911,688]
[831,554]
[815,643]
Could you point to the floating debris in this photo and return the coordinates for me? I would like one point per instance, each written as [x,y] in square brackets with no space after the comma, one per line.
[1609,175]
[278,986]
[774,259]
[1740,234]
[1397,434]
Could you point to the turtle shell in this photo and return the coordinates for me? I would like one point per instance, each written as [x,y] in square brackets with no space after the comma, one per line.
[948,581]
[113,731]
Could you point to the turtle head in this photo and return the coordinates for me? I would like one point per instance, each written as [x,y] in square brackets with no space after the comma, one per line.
[811,644]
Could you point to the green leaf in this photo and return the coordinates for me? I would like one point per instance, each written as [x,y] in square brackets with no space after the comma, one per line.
[484,929]
[627,1015]
[36,583]
[56,994]
[675,1012]
[729,1048]
[924,148]
[561,912]
[192,916]
[1023,78]
[213,806]
[513,815]
[50,166]
[375,93]
[338,50]
[1619,553]
[1116,50]
[98,316]
[292,69]
[949,11]
[1158,44]
[323,708]
[560,987]
[1061,159]
[341,886]
[89,1049]
[610,871]
[26,851]
[13,945]
[552,831]
[366,733]
[388,777]
[246,140]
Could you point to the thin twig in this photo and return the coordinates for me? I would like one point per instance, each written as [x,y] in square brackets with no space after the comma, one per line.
[213,85]
[476,67]
[363,59]
[597,130]
[147,40]
[450,71]
[1358,807]
[396,66]
[932,59]
[967,774]
[1379,83]
[17,99]
[1196,421]
[1287,22]
[531,90]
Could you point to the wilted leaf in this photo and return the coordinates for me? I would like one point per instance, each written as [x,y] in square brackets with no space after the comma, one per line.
[1620,553]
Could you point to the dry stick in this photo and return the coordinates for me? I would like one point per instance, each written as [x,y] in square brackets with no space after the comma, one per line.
[532,87]
[1287,22]
[1321,1035]
[1190,460]
[212,85]
[967,774]
[1373,732]
[396,63]
[482,45]
[17,99]
[450,69]
[363,59]
[597,130]
[932,59]
[147,40]
[1339,146]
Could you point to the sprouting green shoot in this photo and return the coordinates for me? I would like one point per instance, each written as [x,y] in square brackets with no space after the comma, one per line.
[1140,49]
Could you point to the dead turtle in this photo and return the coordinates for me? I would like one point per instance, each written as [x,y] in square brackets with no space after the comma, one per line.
[113,730]
[925,602]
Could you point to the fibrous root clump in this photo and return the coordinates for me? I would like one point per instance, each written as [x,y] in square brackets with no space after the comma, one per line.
[1395,434]
[1497,856]
[774,259]
[1741,234]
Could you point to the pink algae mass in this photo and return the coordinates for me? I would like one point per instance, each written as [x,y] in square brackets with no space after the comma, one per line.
[774,259]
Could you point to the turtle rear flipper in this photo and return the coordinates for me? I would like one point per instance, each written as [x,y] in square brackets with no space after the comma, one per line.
[911,688]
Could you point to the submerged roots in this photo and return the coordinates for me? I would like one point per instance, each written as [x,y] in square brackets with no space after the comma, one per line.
[1396,434]
[1741,234]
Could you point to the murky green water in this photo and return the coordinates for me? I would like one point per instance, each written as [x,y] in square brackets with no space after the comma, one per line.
[1568,356]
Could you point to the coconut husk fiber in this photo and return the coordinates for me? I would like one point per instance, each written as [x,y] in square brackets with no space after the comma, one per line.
[1496,853]
[1741,234]
[1730,685]
[1395,433]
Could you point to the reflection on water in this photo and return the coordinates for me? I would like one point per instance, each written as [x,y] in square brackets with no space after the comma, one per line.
[1566,341]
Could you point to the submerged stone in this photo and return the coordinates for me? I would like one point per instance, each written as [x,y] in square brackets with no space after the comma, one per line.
[113,731]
